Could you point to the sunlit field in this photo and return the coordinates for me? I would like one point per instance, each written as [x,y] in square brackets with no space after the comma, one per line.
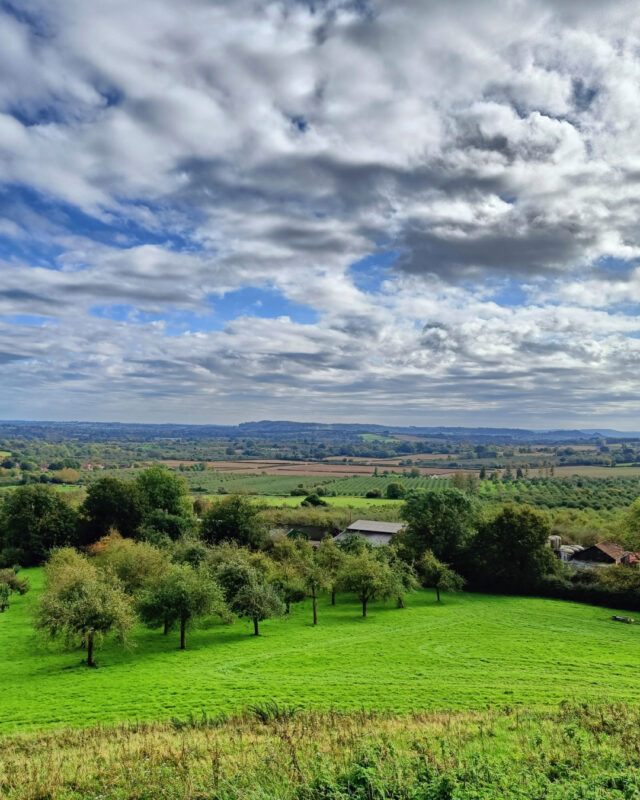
[469,652]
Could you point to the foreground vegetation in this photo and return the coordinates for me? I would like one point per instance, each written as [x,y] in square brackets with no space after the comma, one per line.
[576,751]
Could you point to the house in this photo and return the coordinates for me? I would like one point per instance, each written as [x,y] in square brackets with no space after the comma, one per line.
[374,531]
[601,554]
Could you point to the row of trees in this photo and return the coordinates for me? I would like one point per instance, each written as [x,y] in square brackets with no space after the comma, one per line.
[35,519]
[119,580]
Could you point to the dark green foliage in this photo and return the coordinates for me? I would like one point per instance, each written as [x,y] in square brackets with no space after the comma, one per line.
[395,491]
[314,500]
[112,504]
[510,552]
[437,521]
[234,519]
[160,524]
[189,551]
[34,520]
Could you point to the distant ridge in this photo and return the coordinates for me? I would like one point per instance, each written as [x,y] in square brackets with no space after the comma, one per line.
[291,430]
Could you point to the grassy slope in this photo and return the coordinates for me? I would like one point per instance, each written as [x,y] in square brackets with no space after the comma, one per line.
[471,651]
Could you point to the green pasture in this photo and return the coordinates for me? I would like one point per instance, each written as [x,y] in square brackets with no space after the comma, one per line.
[470,652]
[287,501]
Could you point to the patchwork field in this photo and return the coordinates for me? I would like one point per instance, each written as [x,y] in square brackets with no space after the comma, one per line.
[318,469]
[467,653]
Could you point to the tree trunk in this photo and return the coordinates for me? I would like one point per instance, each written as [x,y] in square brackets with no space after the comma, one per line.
[333,596]
[288,607]
[166,626]
[401,603]
[183,635]
[315,608]
[438,593]
[364,606]
[256,632]
[90,661]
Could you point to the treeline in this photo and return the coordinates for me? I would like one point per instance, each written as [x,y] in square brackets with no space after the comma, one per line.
[448,540]
[117,582]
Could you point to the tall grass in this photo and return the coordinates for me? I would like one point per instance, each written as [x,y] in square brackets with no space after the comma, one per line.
[571,752]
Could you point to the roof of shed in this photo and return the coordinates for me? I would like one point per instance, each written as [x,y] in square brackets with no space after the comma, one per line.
[375,526]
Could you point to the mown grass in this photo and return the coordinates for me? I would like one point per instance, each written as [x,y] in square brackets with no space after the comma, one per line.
[573,752]
[467,653]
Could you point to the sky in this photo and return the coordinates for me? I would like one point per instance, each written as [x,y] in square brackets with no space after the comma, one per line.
[407,213]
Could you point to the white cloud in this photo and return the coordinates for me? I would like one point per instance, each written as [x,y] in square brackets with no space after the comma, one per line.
[273,145]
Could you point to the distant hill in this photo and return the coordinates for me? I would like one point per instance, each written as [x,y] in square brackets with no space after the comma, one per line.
[286,430]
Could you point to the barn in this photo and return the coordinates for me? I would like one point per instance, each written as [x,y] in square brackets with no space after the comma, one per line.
[600,554]
[375,532]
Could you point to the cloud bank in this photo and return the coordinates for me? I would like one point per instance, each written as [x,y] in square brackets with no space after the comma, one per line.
[413,212]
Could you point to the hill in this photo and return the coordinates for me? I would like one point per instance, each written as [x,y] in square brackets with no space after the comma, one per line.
[469,652]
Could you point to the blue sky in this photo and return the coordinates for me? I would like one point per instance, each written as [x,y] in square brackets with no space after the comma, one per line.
[224,212]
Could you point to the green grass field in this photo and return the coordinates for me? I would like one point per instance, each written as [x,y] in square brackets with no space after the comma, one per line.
[469,652]
[294,502]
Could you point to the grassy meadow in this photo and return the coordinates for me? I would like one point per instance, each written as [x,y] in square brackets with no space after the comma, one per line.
[470,652]
[571,753]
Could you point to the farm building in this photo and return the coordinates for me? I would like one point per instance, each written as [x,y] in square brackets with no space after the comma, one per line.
[600,555]
[374,531]
[313,533]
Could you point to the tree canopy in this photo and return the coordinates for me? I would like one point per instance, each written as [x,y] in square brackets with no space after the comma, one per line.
[181,595]
[511,551]
[440,521]
[82,603]
[33,520]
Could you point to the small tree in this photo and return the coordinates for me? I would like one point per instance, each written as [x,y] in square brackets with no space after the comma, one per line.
[288,555]
[315,578]
[4,597]
[257,600]
[395,491]
[9,577]
[82,603]
[367,577]
[331,558]
[182,595]
[439,576]
[402,575]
